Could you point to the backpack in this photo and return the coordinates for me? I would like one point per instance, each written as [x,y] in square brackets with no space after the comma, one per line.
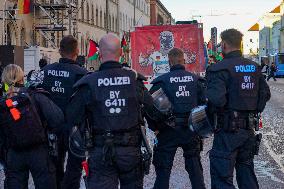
[21,122]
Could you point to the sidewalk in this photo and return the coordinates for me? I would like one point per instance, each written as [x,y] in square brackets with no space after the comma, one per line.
[279,80]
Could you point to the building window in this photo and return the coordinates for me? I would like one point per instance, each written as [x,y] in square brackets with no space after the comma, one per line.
[116,25]
[101,18]
[93,16]
[82,45]
[88,14]
[160,20]
[23,37]
[58,39]
[113,24]
[123,24]
[82,11]
[126,22]
[97,16]
[109,23]
[105,21]
[120,20]
[86,47]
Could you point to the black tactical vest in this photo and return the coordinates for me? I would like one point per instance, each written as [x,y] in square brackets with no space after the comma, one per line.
[115,105]
[59,79]
[243,85]
[180,87]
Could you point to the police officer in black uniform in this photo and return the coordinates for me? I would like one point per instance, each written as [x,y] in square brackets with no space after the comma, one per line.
[25,117]
[237,93]
[185,91]
[113,97]
[59,79]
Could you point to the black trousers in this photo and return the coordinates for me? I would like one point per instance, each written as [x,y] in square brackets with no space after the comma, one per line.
[271,75]
[59,161]
[233,151]
[73,172]
[164,152]
[37,162]
[125,169]
[71,177]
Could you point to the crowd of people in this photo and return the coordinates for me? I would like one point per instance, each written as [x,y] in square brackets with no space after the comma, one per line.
[269,71]
[104,114]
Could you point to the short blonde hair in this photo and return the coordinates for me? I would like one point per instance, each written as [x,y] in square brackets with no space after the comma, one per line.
[12,74]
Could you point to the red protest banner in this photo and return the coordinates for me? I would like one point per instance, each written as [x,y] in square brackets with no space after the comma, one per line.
[150,46]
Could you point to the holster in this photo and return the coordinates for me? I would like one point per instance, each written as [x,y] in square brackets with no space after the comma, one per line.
[108,140]
[258,138]
[146,152]
[52,145]
[146,162]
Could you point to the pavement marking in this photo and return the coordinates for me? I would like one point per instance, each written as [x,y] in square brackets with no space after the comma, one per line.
[277,89]
[270,133]
[273,155]
[262,170]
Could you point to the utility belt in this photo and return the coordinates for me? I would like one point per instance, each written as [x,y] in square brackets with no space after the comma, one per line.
[117,138]
[233,121]
[108,140]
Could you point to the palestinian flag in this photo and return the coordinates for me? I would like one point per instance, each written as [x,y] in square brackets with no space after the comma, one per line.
[93,50]
[124,44]
[24,6]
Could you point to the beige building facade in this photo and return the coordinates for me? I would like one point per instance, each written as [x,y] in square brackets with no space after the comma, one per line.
[91,19]
[160,14]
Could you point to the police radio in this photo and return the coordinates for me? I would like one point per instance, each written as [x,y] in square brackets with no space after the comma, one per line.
[53,145]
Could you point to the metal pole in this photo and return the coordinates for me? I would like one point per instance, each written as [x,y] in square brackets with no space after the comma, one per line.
[134,18]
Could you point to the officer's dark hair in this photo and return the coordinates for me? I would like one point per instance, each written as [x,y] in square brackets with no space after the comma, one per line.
[68,45]
[232,37]
[42,63]
[176,56]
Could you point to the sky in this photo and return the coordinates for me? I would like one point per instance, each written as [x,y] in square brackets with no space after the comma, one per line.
[223,14]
